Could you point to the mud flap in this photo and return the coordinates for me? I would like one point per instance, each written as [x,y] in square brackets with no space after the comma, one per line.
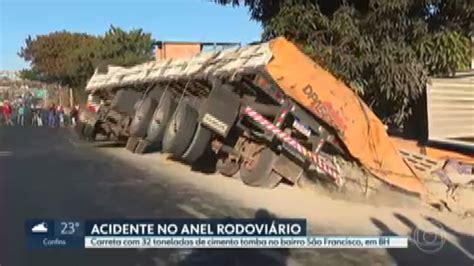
[219,112]
[288,169]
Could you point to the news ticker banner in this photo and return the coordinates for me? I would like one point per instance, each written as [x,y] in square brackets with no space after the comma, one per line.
[192,233]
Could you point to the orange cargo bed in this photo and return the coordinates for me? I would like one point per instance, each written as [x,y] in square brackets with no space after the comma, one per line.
[432,152]
[331,100]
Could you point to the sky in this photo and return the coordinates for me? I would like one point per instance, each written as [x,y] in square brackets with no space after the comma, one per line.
[170,20]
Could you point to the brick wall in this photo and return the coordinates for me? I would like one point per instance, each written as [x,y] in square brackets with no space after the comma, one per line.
[177,50]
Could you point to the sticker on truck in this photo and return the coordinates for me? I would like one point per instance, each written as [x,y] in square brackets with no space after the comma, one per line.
[215,124]
[301,128]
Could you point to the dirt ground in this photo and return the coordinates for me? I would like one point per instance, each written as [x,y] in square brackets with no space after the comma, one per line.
[361,186]
[339,214]
[51,173]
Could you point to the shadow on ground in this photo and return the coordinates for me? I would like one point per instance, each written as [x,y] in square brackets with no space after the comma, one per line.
[206,163]
[274,257]
[429,248]
[211,257]
[109,145]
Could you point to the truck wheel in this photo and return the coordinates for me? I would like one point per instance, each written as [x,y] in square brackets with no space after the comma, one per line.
[80,129]
[139,125]
[228,167]
[89,132]
[180,130]
[132,143]
[198,146]
[257,171]
[161,116]
[124,101]
[142,146]
[137,105]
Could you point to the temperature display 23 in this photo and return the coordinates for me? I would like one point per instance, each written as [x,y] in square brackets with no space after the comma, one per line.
[69,228]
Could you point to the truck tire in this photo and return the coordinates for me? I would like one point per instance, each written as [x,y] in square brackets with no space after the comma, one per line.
[139,125]
[180,130]
[227,167]
[161,116]
[260,173]
[89,132]
[124,101]
[155,93]
[198,145]
[137,105]
[142,146]
[132,143]
[80,129]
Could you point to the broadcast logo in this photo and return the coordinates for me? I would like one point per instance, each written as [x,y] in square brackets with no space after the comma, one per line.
[40,228]
[430,241]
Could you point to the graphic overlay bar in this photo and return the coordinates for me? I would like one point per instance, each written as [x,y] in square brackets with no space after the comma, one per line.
[192,233]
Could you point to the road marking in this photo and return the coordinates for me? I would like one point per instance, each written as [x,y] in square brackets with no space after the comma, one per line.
[5,153]
[193,212]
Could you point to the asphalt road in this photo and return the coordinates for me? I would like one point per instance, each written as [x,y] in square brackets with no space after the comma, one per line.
[49,173]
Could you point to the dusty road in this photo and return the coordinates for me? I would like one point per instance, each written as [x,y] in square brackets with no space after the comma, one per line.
[49,173]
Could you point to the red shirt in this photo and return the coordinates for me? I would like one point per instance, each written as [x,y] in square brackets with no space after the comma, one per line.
[7,109]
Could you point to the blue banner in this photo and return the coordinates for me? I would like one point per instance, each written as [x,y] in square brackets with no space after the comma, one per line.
[47,233]
[197,227]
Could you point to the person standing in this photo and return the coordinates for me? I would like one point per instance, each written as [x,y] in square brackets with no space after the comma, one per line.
[36,111]
[51,116]
[74,115]
[44,115]
[8,111]
[39,115]
[2,118]
[33,115]
[21,115]
[61,115]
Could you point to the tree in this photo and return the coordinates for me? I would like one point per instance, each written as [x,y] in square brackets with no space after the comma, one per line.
[383,49]
[30,74]
[53,57]
[70,58]
[118,47]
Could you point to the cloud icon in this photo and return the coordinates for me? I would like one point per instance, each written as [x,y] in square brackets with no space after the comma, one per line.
[40,228]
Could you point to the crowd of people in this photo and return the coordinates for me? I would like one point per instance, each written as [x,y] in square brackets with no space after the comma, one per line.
[20,113]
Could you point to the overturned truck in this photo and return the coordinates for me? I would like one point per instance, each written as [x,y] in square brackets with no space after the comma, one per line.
[266,111]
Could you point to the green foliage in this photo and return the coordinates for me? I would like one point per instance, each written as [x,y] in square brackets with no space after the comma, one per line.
[383,49]
[53,56]
[30,74]
[70,58]
[122,48]
[444,52]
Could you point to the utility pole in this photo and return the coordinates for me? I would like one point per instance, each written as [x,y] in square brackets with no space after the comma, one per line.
[71,98]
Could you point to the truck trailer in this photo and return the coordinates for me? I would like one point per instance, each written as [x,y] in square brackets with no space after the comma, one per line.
[267,111]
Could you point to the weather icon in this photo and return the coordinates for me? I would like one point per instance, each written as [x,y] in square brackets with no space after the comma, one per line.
[40,228]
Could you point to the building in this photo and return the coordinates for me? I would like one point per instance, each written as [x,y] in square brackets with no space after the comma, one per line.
[173,49]
[472,52]
[10,75]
